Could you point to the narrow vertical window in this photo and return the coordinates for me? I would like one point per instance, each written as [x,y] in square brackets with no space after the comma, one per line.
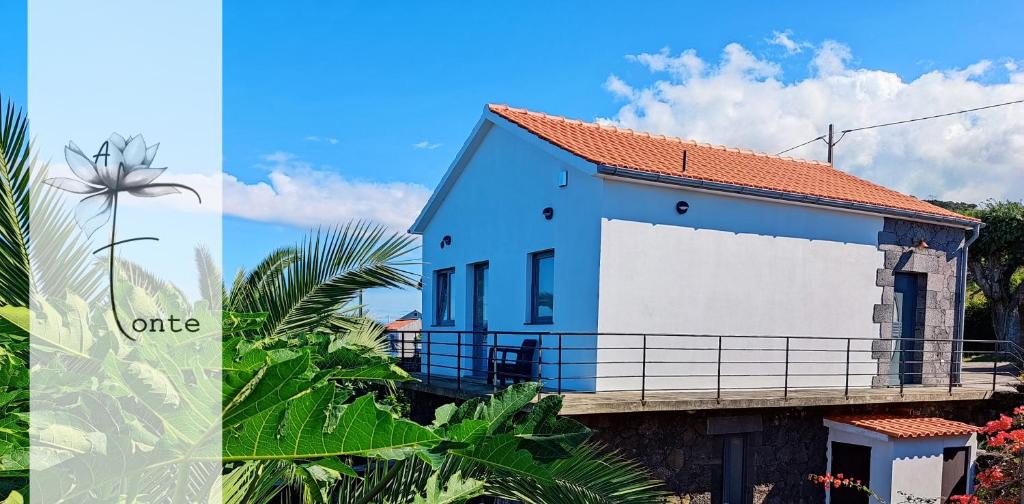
[542,287]
[443,297]
[733,463]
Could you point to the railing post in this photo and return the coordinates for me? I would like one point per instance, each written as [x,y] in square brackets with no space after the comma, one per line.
[899,355]
[540,364]
[458,360]
[846,390]
[430,350]
[559,363]
[785,379]
[952,363]
[643,373]
[492,367]
[718,385]
[995,363]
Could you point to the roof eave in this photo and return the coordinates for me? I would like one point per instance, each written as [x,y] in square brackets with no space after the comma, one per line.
[628,173]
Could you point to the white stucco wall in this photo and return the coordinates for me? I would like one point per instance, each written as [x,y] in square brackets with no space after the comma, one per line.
[912,466]
[494,213]
[734,266]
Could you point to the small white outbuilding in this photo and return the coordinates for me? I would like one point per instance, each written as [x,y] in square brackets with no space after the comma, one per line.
[899,456]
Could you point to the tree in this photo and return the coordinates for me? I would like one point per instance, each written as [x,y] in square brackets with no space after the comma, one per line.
[996,262]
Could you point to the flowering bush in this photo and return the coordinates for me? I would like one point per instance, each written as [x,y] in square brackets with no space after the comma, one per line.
[1001,482]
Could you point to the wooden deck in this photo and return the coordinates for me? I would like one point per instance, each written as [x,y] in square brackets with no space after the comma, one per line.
[977,384]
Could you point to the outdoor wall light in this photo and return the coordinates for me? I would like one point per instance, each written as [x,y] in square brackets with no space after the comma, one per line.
[682,207]
[447,240]
[548,213]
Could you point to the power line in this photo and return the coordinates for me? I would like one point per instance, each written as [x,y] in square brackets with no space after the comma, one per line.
[832,144]
[822,137]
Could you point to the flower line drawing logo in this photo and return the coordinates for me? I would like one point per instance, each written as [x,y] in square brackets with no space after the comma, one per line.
[119,166]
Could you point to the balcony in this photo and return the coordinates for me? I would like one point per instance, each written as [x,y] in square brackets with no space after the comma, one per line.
[606,372]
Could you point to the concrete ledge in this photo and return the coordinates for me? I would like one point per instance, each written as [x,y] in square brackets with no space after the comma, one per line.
[578,403]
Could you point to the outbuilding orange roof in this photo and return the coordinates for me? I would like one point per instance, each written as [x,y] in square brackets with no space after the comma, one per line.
[397,325]
[907,427]
[657,154]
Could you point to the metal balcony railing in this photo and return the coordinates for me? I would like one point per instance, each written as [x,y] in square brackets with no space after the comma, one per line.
[710,364]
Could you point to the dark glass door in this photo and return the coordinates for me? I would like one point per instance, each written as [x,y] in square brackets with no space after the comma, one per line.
[480,319]
[904,329]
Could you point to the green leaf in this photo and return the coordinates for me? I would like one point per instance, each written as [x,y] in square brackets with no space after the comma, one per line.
[443,414]
[349,364]
[498,409]
[236,323]
[14,498]
[333,467]
[456,490]
[502,454]
[16,318]
[268,389]
[303,429]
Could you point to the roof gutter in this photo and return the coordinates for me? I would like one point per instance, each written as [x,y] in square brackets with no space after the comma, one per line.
[961,306]
[781,195]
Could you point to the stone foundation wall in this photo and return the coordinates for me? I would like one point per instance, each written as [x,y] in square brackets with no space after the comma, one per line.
[936,307]
[790,444]
[784,444]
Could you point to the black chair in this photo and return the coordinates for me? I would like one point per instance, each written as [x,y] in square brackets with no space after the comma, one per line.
[520,369]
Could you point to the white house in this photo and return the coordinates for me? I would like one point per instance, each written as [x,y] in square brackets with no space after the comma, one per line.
[643,261]
[898,456]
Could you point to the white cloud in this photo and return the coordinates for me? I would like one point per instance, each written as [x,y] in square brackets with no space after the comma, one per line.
[741,100]
[298,194]
[425,145]
[785,40]
[313,138]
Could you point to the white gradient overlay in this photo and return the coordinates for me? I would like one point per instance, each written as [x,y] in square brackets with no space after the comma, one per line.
[115,419]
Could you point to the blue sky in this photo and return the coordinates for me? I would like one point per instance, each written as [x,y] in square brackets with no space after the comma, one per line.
[341,93]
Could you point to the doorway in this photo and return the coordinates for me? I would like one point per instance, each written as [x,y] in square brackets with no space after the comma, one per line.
[852,461]
[909,346]
[955,463]
[480,319]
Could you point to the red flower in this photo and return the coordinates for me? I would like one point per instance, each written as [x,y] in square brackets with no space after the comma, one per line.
[1004,423]
[964,499]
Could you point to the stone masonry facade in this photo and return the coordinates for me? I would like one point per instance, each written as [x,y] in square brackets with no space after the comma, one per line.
[936,266]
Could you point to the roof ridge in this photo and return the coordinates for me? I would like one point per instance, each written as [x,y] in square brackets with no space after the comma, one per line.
[501,106]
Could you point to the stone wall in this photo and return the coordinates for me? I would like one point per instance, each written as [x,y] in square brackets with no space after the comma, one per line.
[789,444]
[683,448]
[900,240]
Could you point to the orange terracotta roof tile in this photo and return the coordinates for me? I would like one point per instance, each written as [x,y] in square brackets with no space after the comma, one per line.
[657,154]
[399,324]
[907,427]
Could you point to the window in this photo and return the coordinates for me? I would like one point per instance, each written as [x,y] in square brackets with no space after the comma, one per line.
[542,287]
[733,469]
[443,297]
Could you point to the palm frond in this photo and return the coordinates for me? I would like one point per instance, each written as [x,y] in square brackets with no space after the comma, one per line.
[256,482]
[247,286]
[15,161]
[328,271]
[591,475]
[211,283]
[55,240]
